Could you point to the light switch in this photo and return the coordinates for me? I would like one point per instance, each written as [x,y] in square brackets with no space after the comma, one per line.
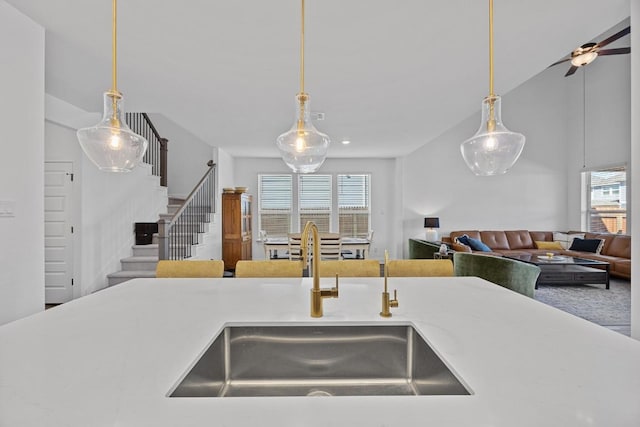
[7,208]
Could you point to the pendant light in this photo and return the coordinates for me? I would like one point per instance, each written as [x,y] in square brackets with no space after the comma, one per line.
[494,148]
[110,144]
[303,148]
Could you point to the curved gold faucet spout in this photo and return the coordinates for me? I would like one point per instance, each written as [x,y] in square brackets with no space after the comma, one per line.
[317,294]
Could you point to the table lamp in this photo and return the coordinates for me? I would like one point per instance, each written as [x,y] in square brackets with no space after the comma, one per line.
[430,225]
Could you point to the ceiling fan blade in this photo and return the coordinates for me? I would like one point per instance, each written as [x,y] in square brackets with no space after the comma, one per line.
[571,71]
[559,62]
[618,51]
[615,37]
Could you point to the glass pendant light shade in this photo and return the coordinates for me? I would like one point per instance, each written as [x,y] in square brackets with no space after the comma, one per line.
[111,145]
[303,148]
[494,148]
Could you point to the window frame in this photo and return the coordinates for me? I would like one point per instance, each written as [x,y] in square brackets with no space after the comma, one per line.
[289,212]
[366,209]
[606,190]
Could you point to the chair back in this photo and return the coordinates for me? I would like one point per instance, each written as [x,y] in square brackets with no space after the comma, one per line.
[420,268]
[509,273]
[350,268]
[294,241]
[195,268]
[330,246]
[275,268]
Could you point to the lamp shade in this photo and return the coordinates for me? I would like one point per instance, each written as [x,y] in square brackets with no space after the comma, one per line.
[494,149]
[303,148]
[111,145]
[432,223]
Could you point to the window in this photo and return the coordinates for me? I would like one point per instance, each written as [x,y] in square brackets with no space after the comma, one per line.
[335,205]
[314,201]
[276,200]
[606,195]
[353,205]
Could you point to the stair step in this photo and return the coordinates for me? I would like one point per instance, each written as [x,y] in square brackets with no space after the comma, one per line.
[173,208]
[139,263]
[176,200]
[145,250]
[123,276]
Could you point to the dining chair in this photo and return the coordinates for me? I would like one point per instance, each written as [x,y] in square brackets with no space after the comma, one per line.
[350,268]
[508,273]
[330,246]
[420,268]
[195,268]
[294,242]
[279,268]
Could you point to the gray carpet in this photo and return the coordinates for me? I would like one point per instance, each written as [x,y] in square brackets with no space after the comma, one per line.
[610,308]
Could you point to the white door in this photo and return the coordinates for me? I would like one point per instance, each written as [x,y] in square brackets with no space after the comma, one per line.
[58,232]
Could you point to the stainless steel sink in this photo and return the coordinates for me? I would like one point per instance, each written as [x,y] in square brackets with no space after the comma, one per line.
[319,361]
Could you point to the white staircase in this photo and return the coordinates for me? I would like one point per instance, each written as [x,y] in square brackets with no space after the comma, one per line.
[145,257]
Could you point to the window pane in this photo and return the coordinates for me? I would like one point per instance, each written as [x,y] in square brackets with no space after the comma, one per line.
[276,200]
[322,220]
[353,205]
[314,192]
[353,191]
[314,201]
[607,209]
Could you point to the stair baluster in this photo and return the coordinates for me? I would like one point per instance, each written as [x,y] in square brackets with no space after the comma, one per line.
[156,154]
[175,236]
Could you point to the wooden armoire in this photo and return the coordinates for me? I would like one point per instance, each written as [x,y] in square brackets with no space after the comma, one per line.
[236,228]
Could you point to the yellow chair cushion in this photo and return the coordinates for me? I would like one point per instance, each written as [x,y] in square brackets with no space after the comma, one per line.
[549,245]
[420,268]
[350,268]
[280,268]
[196,268]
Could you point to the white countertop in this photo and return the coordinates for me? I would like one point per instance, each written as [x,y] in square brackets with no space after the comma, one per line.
[109,359]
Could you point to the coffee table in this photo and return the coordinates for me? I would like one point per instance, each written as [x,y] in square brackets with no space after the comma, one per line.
[567,270]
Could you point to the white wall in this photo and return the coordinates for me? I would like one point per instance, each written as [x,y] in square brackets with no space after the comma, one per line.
[383,194]
[187,156]
[106,205]
[111,204]
[532,195]
[607,127]
[635,169]
[224,178]
[21,164]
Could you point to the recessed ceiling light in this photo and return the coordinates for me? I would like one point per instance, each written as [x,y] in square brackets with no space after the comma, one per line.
[345,141]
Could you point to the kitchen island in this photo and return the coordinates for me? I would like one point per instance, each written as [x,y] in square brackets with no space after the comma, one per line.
[111,358]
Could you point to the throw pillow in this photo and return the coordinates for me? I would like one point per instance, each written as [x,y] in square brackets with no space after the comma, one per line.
[463,240]
[566,239]
[549,245]
[477,245]
[586,245]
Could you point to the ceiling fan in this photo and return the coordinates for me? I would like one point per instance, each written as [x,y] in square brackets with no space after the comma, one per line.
[587,53]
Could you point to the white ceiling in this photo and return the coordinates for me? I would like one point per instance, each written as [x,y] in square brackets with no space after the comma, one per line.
[389,75]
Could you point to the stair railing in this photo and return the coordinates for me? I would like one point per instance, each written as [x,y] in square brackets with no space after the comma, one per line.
[156,154]
[175,236]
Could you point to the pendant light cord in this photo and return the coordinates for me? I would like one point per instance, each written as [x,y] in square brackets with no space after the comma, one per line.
[491,123]
[301,49]
[491,94]
[114,73]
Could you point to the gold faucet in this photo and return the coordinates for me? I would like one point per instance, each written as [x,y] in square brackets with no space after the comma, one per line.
[316,293]
[387,302]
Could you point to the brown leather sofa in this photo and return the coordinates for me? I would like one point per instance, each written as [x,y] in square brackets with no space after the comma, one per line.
[616,249]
